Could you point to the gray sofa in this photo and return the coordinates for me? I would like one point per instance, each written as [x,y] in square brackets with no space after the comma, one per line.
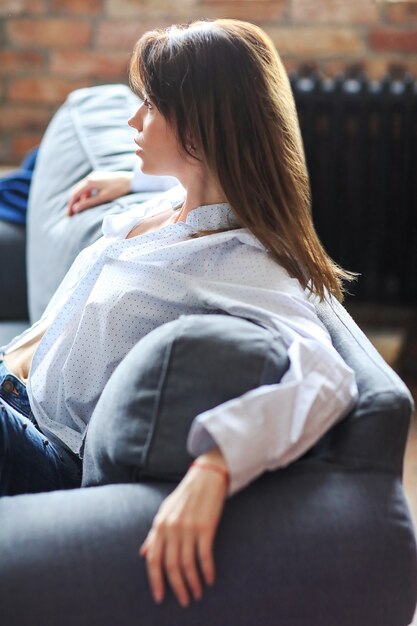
[325,541]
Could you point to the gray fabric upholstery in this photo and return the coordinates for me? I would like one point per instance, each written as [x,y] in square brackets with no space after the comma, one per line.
[383,399]
[140,425]
[326,541]
[10,329]
[312,545]
[12,272]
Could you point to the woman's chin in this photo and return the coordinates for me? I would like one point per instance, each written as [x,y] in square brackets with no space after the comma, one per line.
[151,171]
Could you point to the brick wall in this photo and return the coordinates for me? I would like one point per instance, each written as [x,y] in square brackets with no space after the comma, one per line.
[50,47]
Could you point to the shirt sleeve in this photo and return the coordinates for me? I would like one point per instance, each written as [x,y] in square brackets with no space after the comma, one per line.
[145,182]
[271,426]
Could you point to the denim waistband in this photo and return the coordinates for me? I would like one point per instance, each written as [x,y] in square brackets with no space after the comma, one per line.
[13,391]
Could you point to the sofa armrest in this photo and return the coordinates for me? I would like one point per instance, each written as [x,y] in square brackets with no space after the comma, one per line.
[375,434]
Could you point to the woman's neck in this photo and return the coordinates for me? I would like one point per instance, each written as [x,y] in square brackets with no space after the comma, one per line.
[200,190]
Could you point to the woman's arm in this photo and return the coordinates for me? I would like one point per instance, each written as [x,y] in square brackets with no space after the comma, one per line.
[98,188]
[180,542]
[278,423]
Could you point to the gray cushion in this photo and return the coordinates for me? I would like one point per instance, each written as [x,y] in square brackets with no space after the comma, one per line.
[140,425]
[13,301]
[8,330]
[88,132]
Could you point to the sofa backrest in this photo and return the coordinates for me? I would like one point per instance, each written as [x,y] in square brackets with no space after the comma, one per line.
[89,132]
[375,433]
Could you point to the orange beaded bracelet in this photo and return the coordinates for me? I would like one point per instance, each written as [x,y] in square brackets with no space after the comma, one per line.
[213,467]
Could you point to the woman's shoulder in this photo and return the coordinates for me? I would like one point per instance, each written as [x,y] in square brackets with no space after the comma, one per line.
[237,256]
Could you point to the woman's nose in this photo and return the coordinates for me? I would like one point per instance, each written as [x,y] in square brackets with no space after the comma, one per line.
[136,120]
[131,121]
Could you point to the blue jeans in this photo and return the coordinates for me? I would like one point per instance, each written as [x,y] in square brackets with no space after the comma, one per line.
[29,462]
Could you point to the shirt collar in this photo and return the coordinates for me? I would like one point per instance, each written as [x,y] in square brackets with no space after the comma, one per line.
[212,217]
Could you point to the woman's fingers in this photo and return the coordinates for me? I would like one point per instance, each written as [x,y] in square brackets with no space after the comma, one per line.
[183,531]
[173,567]
[97,188]
[153,552]
[205,557]
[80,192]
[172,550]
[87,200]
[189,567]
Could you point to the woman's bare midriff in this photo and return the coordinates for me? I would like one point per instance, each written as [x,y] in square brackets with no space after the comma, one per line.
[19,361]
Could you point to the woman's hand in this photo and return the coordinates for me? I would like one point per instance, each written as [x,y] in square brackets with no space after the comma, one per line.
[182,533]
[97,188]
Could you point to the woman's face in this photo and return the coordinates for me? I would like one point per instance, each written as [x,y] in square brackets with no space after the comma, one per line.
[158,146]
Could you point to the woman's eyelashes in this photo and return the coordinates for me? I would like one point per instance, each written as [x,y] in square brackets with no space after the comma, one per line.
[147,103]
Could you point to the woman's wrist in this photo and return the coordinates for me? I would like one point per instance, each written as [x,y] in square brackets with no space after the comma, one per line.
[213,461]
[213,467]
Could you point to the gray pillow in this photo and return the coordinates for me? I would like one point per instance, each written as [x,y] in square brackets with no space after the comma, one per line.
[140,425]
[88,132]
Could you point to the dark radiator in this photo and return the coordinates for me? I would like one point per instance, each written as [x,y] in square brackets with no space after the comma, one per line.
[360,138]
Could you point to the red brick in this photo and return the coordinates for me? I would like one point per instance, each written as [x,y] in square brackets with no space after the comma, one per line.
[23,118]
[18,61]
[21,144]
[90,64]
[44,90]
[404,12]
[301,41]
[335,11]
[256,10]
[9,8]
[148,9]
[77,7]
[252,10]
[385,39]
[5,157]
[122,35]
[57,32]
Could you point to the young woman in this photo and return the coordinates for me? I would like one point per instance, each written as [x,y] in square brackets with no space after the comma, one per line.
[235,236]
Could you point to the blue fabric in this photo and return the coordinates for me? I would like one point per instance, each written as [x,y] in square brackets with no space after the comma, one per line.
[14,190]
[29,462]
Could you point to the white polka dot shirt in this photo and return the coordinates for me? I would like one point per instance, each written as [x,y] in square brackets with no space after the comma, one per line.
[119,289]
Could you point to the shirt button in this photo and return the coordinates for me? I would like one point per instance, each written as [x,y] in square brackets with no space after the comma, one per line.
[7,386]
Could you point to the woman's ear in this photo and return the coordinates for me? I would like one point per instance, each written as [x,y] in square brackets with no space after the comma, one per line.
[191,146]
[191,149]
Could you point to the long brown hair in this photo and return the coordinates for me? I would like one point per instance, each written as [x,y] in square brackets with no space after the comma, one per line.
[223,86]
